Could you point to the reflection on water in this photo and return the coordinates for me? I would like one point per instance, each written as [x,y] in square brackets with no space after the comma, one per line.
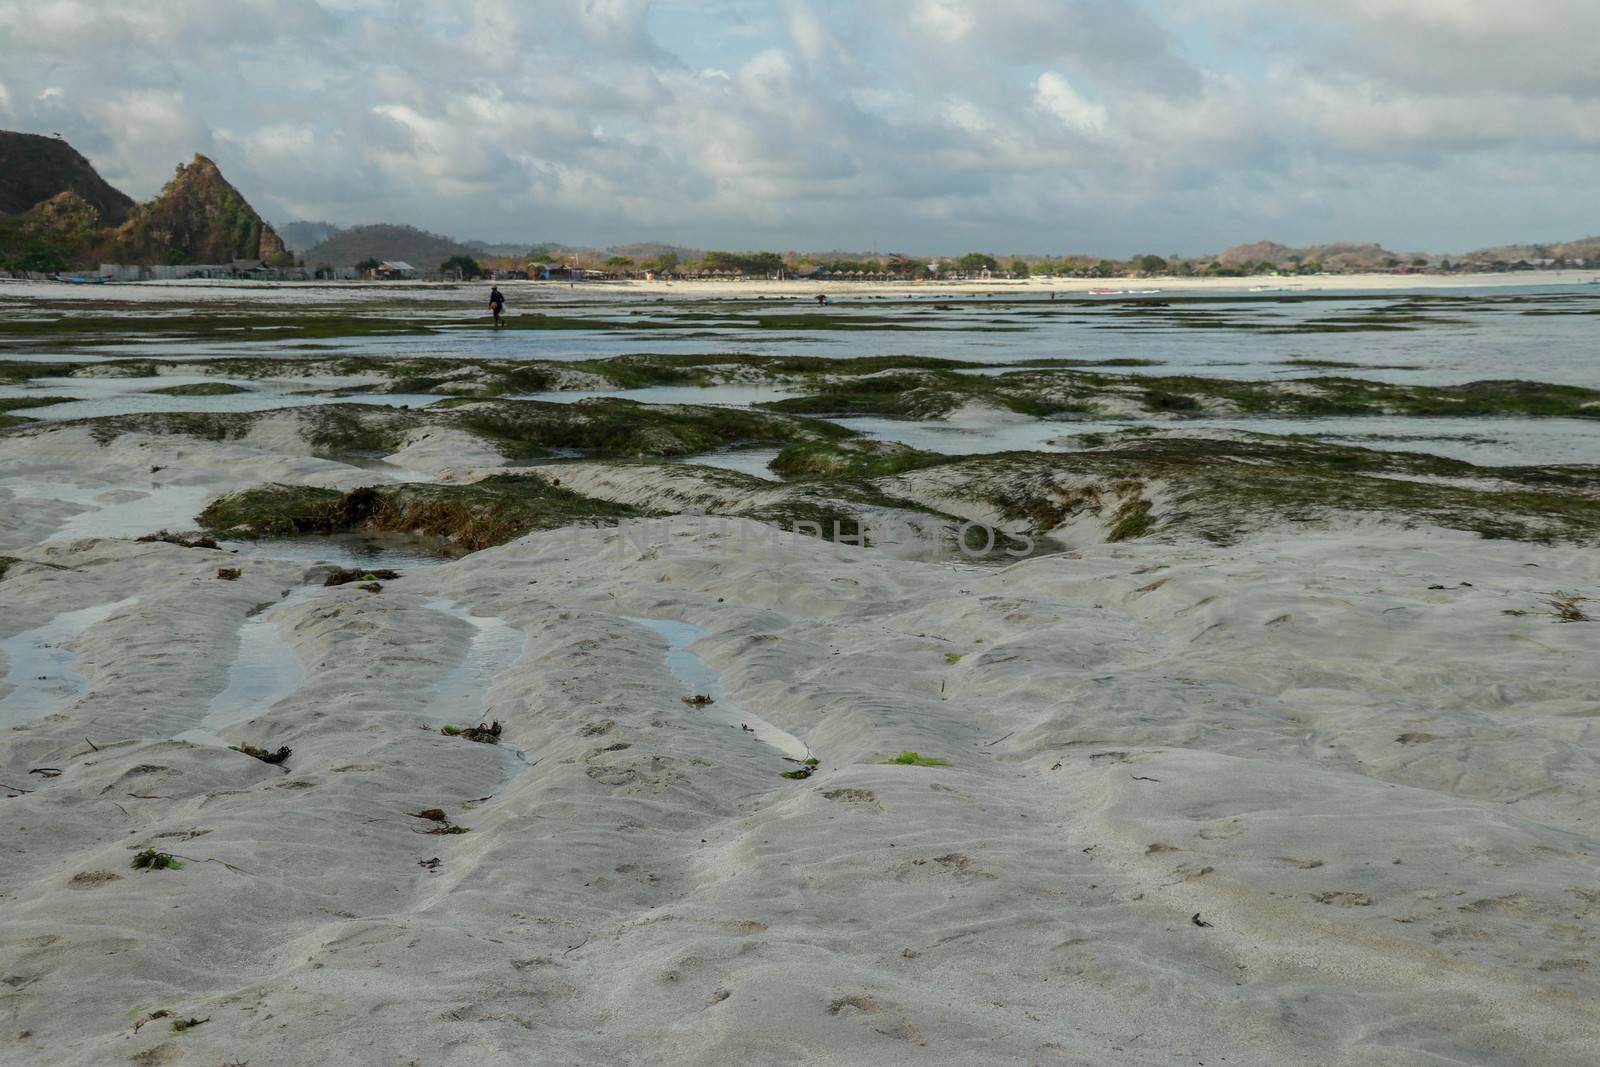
[1487,441]
[353,550]
[110,512]
[462,693]
[265,669]
[132,396]
[700,677]
[729,395]
[751,461]
[41,669]
[1433,336]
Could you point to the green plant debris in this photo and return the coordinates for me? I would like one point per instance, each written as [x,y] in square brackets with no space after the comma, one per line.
[483,733]
[858,458]
[183,1025]
[181,540]
[909,758]
[201,389]
[344,577]
[9,404]
[151,860]
[952,658]
[150,1017]
[277,755]
[527,429]
[1221,489]
[476,515]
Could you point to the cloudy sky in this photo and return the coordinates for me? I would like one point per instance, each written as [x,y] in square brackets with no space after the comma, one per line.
[1042,126]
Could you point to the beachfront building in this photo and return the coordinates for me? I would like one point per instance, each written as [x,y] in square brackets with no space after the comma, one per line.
[249,268]
[392,269]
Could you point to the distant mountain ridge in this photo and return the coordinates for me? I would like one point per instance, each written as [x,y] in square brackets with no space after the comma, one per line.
[299,236]
[1586,249]
[386,241]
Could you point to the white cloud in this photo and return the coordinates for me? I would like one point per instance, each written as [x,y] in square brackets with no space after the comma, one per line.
[1055,95]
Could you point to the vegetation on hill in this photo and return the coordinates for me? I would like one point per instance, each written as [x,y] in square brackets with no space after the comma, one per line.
[52,236]
[34,168]
[80,221]
[197,218]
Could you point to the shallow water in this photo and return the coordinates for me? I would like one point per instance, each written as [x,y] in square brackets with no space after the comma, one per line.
[112,512]
[265,668]
[41,673]
[461,695]
[1438,336]
[133,396]
[751,461]
[1541,333]
[729,395]
[398,552]
[1491,441]
[700,677]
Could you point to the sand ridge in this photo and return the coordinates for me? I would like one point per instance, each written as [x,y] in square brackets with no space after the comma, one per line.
[1137,734]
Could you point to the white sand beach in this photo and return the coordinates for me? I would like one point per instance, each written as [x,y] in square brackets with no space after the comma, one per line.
[1314,798]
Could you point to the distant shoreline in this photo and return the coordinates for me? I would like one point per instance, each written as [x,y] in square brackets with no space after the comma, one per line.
[1263,285]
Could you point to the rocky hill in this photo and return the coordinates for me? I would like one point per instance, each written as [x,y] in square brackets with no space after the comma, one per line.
[382,241]
[34,168]
[197,218]
[57,214]
[1337,256]
[1585,250]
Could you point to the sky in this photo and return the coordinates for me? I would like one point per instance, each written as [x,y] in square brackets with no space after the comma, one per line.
[920,126]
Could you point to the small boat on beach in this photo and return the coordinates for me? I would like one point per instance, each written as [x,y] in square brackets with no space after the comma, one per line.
[1105,292]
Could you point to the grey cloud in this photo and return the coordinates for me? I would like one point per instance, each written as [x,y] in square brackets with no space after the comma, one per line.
[1037,126]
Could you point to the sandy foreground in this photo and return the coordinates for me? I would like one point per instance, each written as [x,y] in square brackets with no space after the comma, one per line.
[1311,799]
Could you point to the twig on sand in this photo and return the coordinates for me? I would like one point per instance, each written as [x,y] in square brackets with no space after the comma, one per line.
[1560,606]
[13,788]
[1142,778]
[996,741]
[573,948]
[1195,918]
[91,744]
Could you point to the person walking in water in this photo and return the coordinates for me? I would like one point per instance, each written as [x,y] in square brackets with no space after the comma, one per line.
[497,303]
